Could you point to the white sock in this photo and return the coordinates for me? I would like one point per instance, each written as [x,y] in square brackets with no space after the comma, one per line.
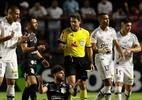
[107,92]
[118,92]
[127,94]
[10,92]
[100,95]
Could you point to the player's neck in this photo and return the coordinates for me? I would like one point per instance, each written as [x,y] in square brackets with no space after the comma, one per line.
[104,28]
[29,30]
[76,29]
[123,33]
[9,20]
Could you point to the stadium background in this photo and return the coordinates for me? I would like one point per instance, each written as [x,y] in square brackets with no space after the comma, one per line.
[93,83]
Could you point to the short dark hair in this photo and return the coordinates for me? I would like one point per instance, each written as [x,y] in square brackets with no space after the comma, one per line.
[102,14]
[125,20]
[29,19]
[75,15]
[56,69]
[13,8]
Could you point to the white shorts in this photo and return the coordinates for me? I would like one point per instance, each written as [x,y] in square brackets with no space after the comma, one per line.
[105,68]
[9,69]
[124,74]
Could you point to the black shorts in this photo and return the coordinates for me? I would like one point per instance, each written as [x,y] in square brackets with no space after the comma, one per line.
[76,66]
[29,67]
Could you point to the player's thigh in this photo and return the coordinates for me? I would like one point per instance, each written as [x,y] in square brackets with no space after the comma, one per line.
[118,74]
[103,68]
[2,71]
[129,76]
[11,70]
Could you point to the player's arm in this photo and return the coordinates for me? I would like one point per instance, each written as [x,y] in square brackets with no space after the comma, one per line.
[137,48]
[41,88]
[61,45]
[5,38]
[27,49]
[44,61]
[119,49]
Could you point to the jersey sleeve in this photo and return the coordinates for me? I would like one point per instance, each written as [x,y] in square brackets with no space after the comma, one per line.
[88,44]
[135,39]
[114,34]
[93,38]
[63,37]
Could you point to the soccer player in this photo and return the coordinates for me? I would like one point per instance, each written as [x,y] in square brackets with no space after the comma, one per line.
[74,41]
[10,37]
[57,90]
[102,40]
[30,55]
[124,70]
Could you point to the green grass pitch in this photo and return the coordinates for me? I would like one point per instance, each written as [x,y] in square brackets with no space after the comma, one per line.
[91,95]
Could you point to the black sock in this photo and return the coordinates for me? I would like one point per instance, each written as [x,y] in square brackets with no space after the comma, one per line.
[25,95]
[10,97]
[32,91]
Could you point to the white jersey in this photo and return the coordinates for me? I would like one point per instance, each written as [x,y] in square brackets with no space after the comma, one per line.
[8,48]
[126,42]
[103,39]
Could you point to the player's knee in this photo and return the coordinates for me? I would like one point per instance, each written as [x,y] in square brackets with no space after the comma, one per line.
[117,90]
[107,89]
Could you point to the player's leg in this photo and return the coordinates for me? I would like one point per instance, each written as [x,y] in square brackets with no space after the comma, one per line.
[100,95]
[70,71]
[2,72]
[71,81]
[118,79]
[32,82]
[106,76]
[11,75]
[128,80]
[26,92]
[83,91]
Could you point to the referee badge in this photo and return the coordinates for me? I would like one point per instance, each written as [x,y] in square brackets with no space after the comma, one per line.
[82,42]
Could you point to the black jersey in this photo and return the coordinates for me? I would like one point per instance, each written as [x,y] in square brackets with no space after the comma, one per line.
[31,43]
[58,91]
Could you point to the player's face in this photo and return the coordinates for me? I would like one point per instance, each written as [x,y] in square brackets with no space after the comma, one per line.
[15,15]
[104,20]
[34,24]
[60,76]
[127,27]
[75,23]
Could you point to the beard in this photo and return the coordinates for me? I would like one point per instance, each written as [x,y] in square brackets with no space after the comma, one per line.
[60,79]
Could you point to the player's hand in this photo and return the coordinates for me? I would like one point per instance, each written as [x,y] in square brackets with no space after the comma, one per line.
[127,52]
[12,34]
[92,68]
[41,47]
[123,57]
[45,63]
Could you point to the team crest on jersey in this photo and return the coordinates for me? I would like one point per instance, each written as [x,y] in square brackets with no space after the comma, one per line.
[63,90]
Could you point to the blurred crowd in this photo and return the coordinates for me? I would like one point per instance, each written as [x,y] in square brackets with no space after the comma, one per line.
[54,18]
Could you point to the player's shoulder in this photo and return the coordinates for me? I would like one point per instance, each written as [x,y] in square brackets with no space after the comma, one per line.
[67,30]
[95,31]
[132,35]
[111,29]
